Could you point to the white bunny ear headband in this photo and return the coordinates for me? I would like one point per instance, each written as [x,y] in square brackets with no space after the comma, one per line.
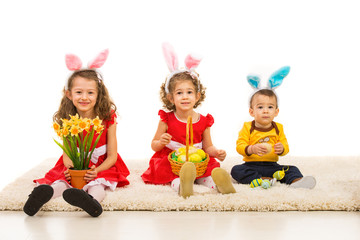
[274,81]
[73,62]
[191,63]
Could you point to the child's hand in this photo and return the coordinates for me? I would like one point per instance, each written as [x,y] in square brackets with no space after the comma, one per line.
[91,174]
[258,149]
[69,165]
[67,175]
[279,148]
[165,139]
[221,154]
[67,162]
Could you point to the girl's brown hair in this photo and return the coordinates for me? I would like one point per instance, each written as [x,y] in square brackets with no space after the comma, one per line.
[182,76]
[104,106]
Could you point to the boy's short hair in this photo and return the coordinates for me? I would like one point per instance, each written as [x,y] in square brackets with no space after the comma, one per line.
[265,92]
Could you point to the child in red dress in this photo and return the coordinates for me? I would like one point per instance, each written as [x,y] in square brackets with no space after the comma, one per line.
[86,95]
[181,94]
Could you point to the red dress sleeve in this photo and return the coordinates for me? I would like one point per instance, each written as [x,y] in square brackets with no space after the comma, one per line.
[112,119]
[210,120]
[163,116]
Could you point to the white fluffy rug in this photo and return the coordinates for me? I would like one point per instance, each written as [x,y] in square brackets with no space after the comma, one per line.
[338,188]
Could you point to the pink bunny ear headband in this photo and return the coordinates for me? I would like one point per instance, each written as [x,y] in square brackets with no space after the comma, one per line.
[73,62]
[191,62]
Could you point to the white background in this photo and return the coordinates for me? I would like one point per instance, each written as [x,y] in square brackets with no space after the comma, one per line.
[319,104]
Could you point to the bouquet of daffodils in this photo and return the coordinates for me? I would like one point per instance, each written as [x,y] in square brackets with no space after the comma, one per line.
[77,135]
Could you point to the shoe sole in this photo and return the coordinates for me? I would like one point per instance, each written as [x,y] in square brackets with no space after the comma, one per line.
[187,177]
[223,181]
[38,197]
[306,182]
[81,199]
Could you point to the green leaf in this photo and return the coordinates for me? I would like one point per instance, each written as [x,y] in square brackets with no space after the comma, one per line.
[76,160]
[88,146]
[96,142]
[68,151]
[81,150]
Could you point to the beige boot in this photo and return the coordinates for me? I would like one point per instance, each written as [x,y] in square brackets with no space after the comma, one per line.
[187,178]
[222,180]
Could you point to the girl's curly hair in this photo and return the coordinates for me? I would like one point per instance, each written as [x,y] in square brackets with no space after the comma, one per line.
[104,106]
[182,76]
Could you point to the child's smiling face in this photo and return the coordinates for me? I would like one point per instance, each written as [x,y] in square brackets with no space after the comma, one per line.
[83,95]
[184,96]
[264,110]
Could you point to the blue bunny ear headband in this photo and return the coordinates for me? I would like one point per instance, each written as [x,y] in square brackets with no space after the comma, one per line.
[274,81]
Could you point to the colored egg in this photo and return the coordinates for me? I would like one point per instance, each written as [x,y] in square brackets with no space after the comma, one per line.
[256,183]
[195,158]
[201,153]
[279,175]
[265,184]
[182,158]
[180,151]
[268,147]
[192,150]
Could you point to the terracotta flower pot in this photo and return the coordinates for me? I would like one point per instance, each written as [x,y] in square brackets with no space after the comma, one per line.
[77,178]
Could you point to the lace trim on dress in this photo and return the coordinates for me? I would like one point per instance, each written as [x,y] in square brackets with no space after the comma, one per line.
[176,145]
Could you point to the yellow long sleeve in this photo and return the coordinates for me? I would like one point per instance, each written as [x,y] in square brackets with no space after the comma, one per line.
[250,135]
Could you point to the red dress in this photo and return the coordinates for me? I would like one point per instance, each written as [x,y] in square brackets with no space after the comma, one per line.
[116,173]
[159,171]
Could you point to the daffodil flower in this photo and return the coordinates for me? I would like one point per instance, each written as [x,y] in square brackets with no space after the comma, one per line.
[77,135]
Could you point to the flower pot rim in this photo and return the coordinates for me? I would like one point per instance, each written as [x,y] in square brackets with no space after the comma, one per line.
[73,169]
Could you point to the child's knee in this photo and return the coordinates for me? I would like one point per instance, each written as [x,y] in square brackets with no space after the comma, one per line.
[235,172]
[292,174]
[238,173]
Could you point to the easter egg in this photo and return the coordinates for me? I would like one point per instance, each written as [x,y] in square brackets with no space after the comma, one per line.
[265,184]
[201,153]
[195,158]
[279,175]
[192,150]
[267,146]
[256,183]
[180,151]
[182,158]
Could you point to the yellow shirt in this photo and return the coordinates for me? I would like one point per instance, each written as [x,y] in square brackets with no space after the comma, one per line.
[250,135]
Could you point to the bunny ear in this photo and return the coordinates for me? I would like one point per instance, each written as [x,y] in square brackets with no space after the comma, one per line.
[73,62]
[170,57]
[192,61]
[254,81]
[278,76]
[99,60]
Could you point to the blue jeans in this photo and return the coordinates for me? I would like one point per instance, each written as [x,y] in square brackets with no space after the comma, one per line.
[245,173]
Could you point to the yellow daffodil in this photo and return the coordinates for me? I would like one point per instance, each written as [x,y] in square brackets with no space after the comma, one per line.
[83,124]
[59,133]
[74,130]
[99,128]
[96,121]
[65,123]
[76,143]
[74,120]
[56,126]
[65,132]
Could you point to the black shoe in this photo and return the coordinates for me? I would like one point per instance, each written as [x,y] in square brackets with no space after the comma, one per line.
[38,197]
[83,200]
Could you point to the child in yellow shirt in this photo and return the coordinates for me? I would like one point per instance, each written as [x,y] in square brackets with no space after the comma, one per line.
[262,141]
